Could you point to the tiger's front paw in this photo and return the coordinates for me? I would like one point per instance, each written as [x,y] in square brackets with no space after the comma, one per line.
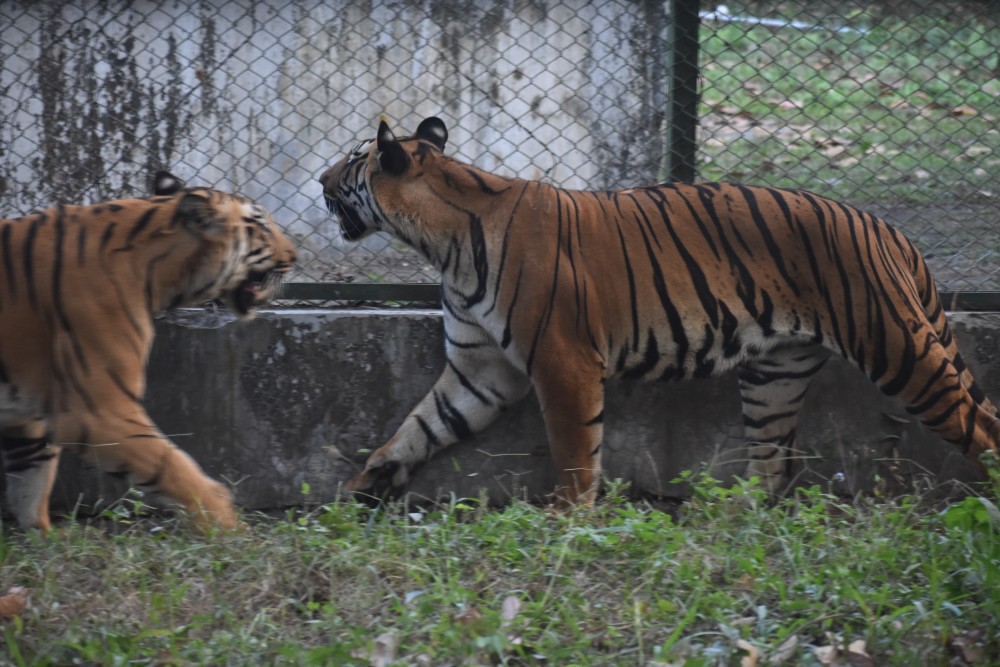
[379,476]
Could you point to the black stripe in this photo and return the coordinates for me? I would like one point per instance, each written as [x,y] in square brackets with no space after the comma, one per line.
[137,228]
[57,267]
[113,374]
[633,298]
[106,236]
[468,385]
[480,260]
[432,440]
[28,258]
[81,245]
[452,418]
[8,262]
[702,286]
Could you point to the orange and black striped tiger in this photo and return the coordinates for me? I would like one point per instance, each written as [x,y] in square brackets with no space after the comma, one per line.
[563,290]
[79,288]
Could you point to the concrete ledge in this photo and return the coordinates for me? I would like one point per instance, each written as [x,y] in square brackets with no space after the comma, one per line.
[293,396]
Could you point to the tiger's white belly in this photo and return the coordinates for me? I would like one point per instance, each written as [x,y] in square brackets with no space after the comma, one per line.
[16,407]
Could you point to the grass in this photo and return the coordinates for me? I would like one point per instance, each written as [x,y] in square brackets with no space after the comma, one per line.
[727,577]
[897,110]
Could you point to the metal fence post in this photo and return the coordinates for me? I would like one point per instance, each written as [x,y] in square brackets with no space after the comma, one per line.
[682,99]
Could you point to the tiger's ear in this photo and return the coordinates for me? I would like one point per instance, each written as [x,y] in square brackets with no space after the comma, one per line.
[391,154]
[165,183]
[433,130]
[197,214]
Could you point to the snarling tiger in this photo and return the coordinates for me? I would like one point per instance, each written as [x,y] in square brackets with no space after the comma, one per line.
[79,288]
[564,290]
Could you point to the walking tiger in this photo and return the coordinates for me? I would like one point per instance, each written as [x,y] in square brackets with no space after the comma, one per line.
[561,291]
[79,288]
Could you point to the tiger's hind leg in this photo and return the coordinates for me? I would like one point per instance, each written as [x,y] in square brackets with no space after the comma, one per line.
[938,388]
[30,463]
[129,444]
[773,387]
[943,332]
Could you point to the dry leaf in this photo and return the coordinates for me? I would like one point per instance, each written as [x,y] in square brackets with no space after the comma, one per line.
[468,615]
[384,652]
[827,655]
[509,609]
[14,601]
[857,646]
[749,660]
[969,647]
[856,656]
[963,110]
[853,656]
[785,651]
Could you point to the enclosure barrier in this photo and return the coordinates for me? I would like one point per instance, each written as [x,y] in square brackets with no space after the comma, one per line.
[889,105]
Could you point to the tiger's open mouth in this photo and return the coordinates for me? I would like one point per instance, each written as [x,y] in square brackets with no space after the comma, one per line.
[258,288]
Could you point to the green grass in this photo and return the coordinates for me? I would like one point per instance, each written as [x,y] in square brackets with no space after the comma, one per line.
[905,110]
[725,575]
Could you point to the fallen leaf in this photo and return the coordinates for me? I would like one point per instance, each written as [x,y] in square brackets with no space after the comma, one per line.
[468,615]
[749,660]
[856,656]
[786,651]
[509,609]
[14,601]
[969,647]
[827,655]
[384,652]
[963,110]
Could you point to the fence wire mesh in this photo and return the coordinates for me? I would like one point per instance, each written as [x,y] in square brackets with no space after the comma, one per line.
[891,105]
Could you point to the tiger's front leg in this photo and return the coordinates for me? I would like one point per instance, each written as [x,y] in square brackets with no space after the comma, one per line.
[30,463]
[570,389]
[477,383]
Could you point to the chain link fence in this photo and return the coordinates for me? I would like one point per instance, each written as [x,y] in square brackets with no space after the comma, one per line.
[891,105]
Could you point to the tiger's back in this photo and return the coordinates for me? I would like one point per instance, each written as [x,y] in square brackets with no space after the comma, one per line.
[681,281]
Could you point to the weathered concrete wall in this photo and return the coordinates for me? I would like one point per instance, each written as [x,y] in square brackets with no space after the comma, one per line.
[292,397]
[259,96]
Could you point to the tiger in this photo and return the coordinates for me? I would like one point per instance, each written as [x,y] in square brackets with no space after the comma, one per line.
[562,291]
[79,289]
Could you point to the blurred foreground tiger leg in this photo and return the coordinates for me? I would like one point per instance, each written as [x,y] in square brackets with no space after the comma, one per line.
[30,463]
[128,444]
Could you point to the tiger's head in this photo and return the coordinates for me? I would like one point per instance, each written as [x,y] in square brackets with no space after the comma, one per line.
[242,254]
[367,190]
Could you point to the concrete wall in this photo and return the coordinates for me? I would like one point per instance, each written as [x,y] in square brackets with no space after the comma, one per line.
[259,96]
[292,397]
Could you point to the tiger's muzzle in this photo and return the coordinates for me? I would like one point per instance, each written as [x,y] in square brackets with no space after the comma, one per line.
[351,226]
